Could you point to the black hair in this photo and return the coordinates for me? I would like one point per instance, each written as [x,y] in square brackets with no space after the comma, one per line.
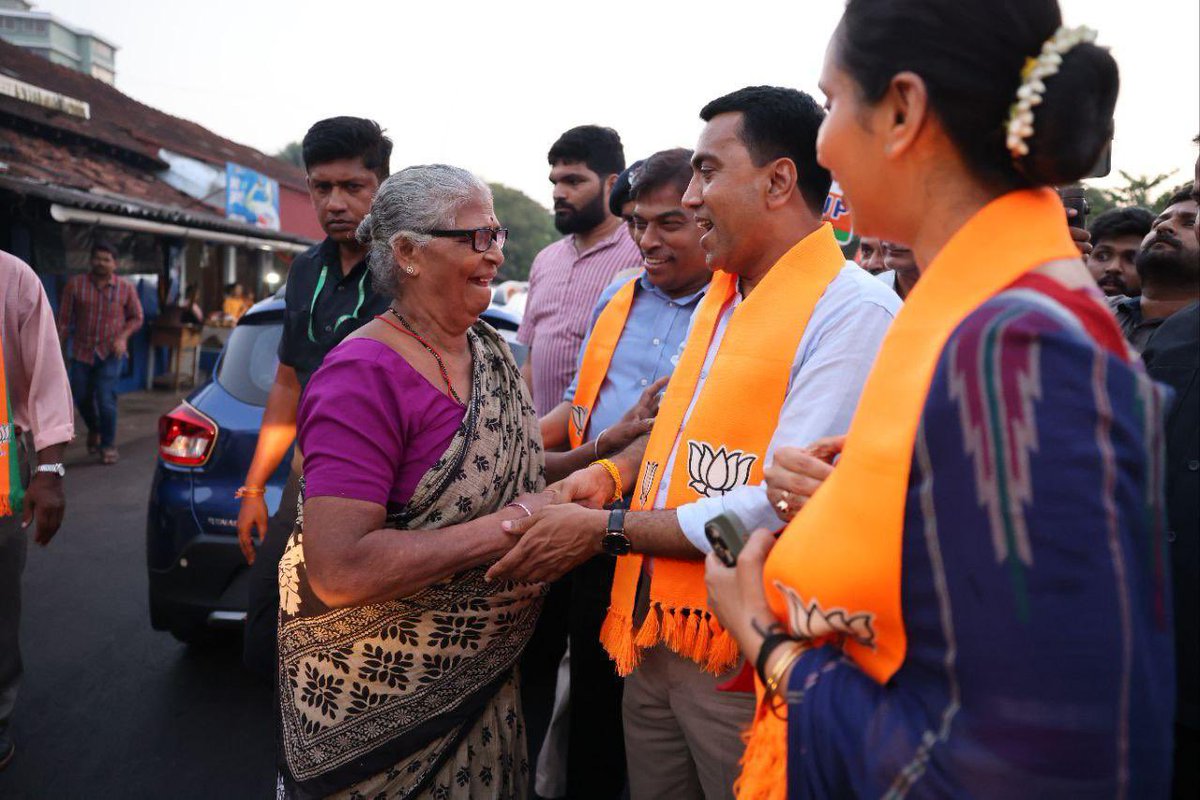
[1128,221]
[1182,195]
[622,191]
[597,148]
[101,245]
[780,123]
[970,54]
[348,137]
[665,168]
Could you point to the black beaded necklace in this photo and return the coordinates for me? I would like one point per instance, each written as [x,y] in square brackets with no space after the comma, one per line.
[410,331]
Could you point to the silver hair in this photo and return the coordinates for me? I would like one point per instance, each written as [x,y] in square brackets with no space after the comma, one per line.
[410,203]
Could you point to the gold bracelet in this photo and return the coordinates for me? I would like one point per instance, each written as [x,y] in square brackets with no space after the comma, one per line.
[249,491]
[781,667]
[615,474]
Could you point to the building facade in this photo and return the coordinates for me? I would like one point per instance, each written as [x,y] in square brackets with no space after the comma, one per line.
[57,41]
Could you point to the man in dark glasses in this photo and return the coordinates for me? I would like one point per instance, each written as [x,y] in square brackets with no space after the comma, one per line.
[329,294]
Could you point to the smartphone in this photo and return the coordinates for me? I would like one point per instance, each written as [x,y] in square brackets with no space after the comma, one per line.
[727,535]
[1073,197]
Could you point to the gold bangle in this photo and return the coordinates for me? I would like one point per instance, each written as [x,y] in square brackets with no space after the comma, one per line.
[249,491]
[615,474]
[781,667]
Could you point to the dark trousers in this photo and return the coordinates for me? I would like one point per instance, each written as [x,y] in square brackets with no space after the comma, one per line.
[14,543]
[95,389]
[262,608]
[574,611]
[596,738]
[1187,763]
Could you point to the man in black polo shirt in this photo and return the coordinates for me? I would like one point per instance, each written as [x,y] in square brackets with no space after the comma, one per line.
[329,294]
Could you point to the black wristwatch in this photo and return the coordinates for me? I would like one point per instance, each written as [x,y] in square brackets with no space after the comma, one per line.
[615,542]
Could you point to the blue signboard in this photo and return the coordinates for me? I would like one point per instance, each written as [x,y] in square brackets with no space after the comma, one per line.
[251,197]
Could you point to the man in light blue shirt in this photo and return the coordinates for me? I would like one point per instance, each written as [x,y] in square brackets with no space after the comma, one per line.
[668,288]
[665,293]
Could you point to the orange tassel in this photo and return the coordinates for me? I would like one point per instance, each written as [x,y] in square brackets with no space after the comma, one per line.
[672,629]
[616,634]
[764,764]
[722,654]
[648,635]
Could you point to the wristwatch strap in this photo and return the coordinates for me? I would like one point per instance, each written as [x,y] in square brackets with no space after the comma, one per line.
[615,541]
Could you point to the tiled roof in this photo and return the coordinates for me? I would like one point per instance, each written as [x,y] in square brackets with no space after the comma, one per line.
[133,130]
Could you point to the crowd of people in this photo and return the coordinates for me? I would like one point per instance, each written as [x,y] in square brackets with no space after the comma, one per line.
[750,519]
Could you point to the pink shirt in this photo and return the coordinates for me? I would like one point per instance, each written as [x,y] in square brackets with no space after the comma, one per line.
[33,362]
[563,287]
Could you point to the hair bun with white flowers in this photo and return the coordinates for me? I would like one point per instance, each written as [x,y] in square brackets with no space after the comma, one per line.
[1033,87]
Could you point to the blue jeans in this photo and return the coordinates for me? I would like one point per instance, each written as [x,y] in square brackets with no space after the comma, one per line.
[95,388]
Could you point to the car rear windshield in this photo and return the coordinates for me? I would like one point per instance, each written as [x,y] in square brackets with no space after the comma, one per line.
[248,363]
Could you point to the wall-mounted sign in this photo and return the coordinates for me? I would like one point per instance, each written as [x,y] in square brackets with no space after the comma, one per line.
[251,197]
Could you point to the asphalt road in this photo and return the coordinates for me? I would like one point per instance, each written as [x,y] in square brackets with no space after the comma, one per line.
[109,707]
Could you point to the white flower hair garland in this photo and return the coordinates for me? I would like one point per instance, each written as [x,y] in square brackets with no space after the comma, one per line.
[1033,76]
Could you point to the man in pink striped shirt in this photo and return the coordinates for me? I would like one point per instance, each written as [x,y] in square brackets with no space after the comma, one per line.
[99,311]
[568,276]
[565,280]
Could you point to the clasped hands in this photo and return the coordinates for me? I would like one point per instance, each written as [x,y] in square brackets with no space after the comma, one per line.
[562,533]
[566,530]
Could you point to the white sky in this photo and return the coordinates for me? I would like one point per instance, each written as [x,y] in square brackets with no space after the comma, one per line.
[489,86]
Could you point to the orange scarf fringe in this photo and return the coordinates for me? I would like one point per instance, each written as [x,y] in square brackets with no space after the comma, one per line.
[754,360]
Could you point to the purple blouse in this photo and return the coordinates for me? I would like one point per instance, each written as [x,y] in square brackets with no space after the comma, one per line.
[370,426]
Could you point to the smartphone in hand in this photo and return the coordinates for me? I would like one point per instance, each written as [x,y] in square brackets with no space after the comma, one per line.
[727,535]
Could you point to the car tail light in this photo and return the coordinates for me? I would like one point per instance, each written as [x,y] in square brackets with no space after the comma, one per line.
[186,437]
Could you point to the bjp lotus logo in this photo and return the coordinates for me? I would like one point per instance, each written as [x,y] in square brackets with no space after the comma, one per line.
[810,621]
[647,481]
[579,415]
[715,473]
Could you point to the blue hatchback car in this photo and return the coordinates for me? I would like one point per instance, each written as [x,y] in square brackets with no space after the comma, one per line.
[198,577]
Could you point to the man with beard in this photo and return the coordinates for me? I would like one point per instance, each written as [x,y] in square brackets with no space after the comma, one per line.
[1172,356]
[1169,268]
[567,277]
[329,294]
[1116,238]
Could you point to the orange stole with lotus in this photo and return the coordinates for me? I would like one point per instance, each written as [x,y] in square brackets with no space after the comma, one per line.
[596,358]
[721,447]
[845,590]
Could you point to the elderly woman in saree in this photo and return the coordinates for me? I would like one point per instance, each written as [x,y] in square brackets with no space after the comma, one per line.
[396,657]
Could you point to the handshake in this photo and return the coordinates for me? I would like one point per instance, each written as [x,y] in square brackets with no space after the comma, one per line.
[564,528]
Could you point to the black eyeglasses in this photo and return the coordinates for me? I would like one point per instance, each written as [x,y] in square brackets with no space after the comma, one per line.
[480,238]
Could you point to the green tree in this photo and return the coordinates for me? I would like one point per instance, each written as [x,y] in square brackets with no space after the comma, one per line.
[1138,190]
[530,228]
[292,154]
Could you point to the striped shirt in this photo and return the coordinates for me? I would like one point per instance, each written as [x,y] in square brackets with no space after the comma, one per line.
[96,314]
[563,287]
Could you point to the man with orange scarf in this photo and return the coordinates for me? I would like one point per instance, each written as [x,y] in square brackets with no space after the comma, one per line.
[36,422]
[776,356]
